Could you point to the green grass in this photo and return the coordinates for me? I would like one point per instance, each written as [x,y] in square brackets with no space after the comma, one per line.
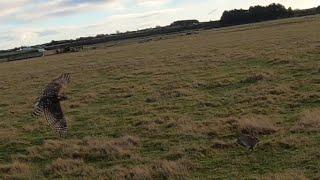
[177,97]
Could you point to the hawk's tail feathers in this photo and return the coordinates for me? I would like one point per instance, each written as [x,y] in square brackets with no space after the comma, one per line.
[63,132]
[64,78]
[38,110]
[58,125]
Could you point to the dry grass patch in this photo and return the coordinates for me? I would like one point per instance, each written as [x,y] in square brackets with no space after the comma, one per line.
[150,126]
[121,92]
[159,169]
[256,78]
[152,99]
[256,125]
[70,167]
[187,126]
[309,122]
[7,135]
[16,170]
[175,93]
[287,175]
[280,90]
[164,169]
[85,99]
[135,173]
[219,144]
[288,142]
[39,126]
[89,148]
[199,85]
[175,154]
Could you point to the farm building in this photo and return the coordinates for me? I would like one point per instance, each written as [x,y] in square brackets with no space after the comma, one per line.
[20,54]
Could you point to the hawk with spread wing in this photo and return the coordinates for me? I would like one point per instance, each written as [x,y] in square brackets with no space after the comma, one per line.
[48,105]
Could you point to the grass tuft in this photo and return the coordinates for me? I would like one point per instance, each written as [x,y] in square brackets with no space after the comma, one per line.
[257,125]
[16,170]
[287,175]
[309,122]
[89,148]
[62,168]
[255,78]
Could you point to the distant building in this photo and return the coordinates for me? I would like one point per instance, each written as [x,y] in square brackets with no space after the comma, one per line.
[22,53]
[49,52]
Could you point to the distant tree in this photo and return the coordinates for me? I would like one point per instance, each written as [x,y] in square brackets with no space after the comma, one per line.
[236,16]
[185,23]
[100,35]
[275,11]
[290,12]
[318,10]
[307,12]
[255,14]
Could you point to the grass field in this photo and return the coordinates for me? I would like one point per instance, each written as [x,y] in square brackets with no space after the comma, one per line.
[172,108]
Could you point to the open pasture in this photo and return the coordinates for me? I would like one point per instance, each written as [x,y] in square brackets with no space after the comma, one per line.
[172,108]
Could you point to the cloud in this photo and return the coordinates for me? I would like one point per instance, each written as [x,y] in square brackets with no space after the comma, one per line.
[143,14]
[40,10]
[152,2]
[49,32]
[10,8]
[6,38]
[157,13]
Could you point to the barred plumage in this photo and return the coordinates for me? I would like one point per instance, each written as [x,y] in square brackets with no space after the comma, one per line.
[38,109]
[49,105]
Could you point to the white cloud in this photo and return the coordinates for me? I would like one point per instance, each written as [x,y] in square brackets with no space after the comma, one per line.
[60,8]
[151,3]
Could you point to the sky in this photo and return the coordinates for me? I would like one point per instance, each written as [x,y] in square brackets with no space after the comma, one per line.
[30,22]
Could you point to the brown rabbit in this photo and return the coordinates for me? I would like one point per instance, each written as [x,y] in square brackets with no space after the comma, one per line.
[248,141]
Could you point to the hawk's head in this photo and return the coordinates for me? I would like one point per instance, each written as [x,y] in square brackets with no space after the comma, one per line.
[62,97]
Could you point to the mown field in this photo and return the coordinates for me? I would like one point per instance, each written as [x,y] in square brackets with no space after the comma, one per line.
[172,108]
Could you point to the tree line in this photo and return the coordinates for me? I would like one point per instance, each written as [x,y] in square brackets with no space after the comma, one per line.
[262,13]
[255,14]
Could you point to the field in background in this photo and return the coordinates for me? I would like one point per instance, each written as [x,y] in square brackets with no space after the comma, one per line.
[172,108]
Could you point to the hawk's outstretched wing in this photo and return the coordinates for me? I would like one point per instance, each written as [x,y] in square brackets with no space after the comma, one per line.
[55,117]
[38,107]
[53,88]
[49,105]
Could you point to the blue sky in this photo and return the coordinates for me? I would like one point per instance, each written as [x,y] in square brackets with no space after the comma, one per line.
[29,22]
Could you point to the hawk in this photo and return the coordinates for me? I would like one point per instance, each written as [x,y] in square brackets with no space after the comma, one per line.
[48,105]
